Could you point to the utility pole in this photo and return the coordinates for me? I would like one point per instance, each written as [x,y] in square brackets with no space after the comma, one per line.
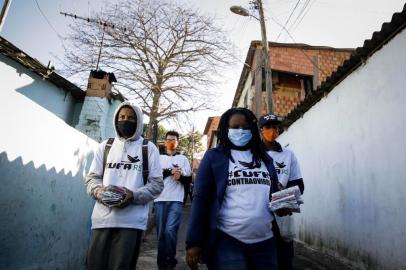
[4,11]
[193,144]
[267,66]
[257,4]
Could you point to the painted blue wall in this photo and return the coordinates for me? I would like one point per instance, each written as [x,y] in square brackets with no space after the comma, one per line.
[15,77]
[45,212]
[45,217]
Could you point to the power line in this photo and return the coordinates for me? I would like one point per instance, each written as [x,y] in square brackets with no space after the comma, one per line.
[305,54]
[49,23]
[287,21]
[307,11]
[300,13]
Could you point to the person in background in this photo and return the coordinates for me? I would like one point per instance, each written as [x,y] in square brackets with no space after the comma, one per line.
[288,170]
[117,230]
[168,206]
[230,226]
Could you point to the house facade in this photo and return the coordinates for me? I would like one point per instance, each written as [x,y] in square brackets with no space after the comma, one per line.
[211,131]
[297,70]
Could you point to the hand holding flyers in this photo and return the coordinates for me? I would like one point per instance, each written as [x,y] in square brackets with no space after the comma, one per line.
[289,199]
[113,195]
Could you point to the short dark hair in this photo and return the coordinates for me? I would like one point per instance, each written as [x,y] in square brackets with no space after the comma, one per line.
[173,133]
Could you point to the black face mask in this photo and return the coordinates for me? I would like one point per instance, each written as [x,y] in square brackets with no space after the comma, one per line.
[126,128]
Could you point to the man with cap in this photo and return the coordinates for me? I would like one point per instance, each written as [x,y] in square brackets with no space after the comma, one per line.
[288,170]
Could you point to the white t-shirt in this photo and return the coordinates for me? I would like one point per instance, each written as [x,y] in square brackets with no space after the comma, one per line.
[286,165]
[124,168]
[173,189]
[244,213]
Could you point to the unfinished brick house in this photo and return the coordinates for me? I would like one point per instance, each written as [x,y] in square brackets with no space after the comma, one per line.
[211,131]
[297,70]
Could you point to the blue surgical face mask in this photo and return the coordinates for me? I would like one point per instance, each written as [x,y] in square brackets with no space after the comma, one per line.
[239,137]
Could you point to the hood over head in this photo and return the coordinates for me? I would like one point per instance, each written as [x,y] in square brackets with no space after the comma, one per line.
[139,116]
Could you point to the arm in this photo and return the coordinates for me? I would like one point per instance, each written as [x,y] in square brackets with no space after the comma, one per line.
[186,176]
[295,177]
[297,182]
[201,202]
[155,182]
[166,172]
[94,178]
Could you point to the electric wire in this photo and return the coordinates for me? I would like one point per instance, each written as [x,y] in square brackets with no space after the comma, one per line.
[304,53]
[307,11]
[299,14]
[49,23]
[287,21]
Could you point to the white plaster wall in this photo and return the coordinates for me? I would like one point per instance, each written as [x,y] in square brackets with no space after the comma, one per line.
[351,148]
[45,211]
[247,90]
[15,77]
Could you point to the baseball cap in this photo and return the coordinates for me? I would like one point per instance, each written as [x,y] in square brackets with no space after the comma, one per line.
[269,119]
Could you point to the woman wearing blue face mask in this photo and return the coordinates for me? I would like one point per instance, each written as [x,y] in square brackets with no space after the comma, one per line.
[230,226]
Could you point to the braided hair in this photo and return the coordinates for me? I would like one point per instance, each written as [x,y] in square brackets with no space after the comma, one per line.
[255,145]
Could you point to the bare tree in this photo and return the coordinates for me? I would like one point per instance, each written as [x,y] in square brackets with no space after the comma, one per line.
[165,55]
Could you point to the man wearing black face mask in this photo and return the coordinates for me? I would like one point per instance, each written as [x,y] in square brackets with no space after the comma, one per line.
[126,122]
[117,228]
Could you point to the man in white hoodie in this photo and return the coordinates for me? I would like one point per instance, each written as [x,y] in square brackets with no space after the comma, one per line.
[117,230]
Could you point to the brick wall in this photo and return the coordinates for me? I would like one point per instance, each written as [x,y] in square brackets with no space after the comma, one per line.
[329,61]
[211,130]
[299,61]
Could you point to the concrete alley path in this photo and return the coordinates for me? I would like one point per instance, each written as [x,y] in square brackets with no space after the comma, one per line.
[147,259]
[304,259]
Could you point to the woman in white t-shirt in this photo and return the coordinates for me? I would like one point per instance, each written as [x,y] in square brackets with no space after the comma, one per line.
[230,226]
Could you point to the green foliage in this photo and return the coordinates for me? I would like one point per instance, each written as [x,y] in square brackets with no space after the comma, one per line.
[190,144]
[161,132]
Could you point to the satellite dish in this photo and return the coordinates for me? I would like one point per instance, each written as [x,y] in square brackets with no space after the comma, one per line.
[239,10]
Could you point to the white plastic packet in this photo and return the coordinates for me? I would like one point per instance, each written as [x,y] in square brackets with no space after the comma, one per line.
[289,198]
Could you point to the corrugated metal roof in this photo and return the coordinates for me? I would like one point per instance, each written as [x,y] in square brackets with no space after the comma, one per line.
[11,51]
[359,56]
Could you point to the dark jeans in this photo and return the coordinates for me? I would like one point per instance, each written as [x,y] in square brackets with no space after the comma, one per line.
[232,254]
[167,220]
[113,249]
[285,254]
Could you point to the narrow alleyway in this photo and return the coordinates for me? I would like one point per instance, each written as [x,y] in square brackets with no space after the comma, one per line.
[304,260]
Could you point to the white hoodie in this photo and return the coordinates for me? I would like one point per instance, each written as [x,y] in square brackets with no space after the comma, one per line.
[124,168]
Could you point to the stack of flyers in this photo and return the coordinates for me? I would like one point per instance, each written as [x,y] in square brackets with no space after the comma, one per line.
[289,198]
[113,195]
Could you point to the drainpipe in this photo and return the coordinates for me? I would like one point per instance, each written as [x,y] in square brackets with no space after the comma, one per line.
[4,11]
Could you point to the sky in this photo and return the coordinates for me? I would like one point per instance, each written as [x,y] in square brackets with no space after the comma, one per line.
[36,27]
